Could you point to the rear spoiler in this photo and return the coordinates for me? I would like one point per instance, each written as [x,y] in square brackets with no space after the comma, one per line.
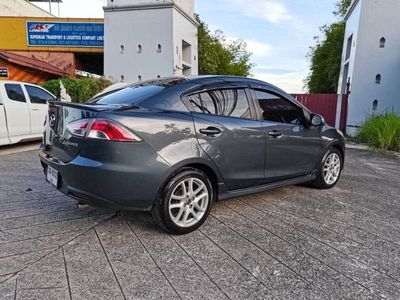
[94,108]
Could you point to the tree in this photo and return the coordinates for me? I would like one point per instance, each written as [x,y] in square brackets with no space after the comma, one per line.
[341,8]
[217,56]
[326,55]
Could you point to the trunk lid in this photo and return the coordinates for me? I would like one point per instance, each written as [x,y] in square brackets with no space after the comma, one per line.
[58,141]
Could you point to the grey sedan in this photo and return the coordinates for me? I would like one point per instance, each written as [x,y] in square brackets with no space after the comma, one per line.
[174,146]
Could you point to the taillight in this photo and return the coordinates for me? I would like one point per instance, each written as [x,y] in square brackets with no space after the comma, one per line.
[102,129]
[79,127]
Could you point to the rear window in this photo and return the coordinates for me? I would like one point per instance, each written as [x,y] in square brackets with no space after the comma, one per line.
[129,95]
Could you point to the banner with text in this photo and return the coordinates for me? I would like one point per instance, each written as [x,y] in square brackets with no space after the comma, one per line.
[68,34]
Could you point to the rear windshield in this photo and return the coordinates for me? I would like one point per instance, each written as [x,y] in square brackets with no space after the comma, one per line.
[129,95]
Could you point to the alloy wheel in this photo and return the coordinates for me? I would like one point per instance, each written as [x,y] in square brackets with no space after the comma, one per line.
[332,168]
[188,202]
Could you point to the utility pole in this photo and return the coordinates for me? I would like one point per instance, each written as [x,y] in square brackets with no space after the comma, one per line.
[50,6]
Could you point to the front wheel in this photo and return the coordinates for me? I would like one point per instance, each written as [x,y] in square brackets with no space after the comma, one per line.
[185,202]
[330,170]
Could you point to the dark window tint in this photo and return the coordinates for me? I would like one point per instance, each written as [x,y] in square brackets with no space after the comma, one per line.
[196,102]
[277,109]
[130,95]
[37,95]
[227,102]
[134,94]
[14,92]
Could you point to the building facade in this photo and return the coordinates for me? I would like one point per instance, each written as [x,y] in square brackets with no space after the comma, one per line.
[370,69]
[35,46]
[146,39]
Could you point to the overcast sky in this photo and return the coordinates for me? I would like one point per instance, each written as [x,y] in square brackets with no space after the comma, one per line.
[278,32]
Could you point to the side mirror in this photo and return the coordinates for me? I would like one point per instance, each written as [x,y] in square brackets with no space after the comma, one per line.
[317,120]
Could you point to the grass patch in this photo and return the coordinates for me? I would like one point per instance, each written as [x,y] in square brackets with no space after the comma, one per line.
[381,131]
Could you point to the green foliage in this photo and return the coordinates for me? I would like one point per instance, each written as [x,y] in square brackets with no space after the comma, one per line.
[341,8]
[325,60]
[80,90]
[325,56]
[217,56]
[381,131]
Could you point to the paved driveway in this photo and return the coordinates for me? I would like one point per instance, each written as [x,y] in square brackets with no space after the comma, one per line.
[293,242]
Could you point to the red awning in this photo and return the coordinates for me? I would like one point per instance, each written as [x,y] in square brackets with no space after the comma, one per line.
[32,63]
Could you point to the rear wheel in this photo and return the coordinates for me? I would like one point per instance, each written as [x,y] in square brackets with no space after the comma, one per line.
[330,170]
[185,202]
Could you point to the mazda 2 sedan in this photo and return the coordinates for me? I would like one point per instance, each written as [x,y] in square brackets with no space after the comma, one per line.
[175,146]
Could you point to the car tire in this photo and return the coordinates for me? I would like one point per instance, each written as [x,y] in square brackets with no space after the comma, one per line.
[184,203]
[329,170]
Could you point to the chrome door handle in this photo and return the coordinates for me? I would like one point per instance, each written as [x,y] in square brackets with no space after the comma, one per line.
[275,133]
[210,131]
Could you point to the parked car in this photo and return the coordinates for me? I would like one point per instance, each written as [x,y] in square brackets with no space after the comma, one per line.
[174,146]
[23,109]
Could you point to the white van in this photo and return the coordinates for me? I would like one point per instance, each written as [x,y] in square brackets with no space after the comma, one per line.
[23,109]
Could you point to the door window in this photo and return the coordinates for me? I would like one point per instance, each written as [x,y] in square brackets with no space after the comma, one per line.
[14,92]
[196,103]
[224,102]
[277,109]
[37,95]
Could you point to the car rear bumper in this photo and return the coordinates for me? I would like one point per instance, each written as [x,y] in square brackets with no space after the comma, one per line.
[112,185]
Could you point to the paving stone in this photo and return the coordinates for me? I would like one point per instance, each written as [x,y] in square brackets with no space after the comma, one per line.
[62,227]
[29,245]
[13,264]
[322,275]
[139,276]
[276,275]
[50,218]
[89,273]
[377,282]
[47,274]
[7,288]
[35,294]
[227,273]
[183,273]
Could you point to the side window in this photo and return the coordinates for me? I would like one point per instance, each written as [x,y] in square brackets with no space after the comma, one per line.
[37,95]
[277,109]
[196,102]
[226,102]
[14,92]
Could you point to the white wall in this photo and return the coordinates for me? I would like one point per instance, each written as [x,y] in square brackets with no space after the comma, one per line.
[135,25]
[352,26]
[378,18]
[186,5]
[185,30]
[135,2]
[147,28]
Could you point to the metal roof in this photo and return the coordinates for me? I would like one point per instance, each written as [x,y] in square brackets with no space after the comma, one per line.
[32,63]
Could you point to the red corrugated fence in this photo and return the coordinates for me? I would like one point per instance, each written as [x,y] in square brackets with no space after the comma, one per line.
[323,104]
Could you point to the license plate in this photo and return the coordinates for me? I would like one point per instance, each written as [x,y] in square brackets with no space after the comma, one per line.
[52,176]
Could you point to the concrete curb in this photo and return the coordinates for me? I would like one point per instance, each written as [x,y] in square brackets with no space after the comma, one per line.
[364,147]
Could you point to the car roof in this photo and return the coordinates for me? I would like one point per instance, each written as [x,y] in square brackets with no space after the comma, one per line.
[207,80]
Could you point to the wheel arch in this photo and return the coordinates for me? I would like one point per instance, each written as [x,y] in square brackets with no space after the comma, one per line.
[203,165]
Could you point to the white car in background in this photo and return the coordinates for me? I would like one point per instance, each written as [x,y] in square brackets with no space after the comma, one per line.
[23,109]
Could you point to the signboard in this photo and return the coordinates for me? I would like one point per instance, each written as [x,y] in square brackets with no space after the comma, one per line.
[3,72]
[65,34]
